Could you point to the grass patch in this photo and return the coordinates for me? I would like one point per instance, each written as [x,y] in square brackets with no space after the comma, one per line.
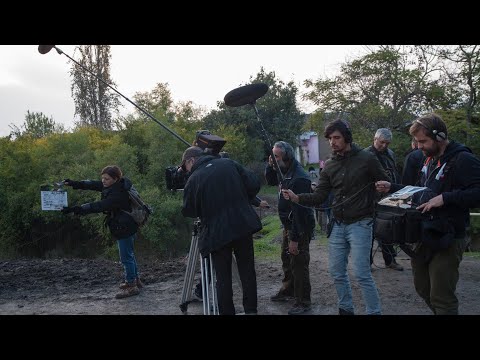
[473,254]
[268,245]
[268,190]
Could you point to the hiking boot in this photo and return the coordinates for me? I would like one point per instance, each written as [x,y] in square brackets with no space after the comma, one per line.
[125,284]
[344,312]
[299,309]
[129,290]
[395,266]
[281,296]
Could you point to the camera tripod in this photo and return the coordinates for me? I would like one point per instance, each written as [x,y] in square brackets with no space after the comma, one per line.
[209,291]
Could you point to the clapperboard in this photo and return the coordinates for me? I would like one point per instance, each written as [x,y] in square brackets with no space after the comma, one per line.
[54,200]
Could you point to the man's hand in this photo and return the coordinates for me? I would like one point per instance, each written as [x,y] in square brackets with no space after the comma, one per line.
[264,204]
[290,195]
[293,248]
[382,186]
[68,182]
[437,201]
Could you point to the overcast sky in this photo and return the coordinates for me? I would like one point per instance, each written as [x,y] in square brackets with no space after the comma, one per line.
[200,73]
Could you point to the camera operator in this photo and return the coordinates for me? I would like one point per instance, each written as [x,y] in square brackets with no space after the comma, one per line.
[219,192]
[453,172]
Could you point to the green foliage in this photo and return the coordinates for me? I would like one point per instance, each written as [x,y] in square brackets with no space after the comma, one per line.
[268,245]
[383,88]
[278,112]
[268,190]
[36,125]
[167,230]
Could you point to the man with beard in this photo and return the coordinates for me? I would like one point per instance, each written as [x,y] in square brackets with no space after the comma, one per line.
[350,174]
[452,174]
[298,226]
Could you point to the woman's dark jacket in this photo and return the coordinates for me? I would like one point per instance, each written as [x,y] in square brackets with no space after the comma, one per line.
[114,199]
[219,192]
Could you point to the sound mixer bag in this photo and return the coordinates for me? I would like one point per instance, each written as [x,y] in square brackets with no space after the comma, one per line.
[397,225]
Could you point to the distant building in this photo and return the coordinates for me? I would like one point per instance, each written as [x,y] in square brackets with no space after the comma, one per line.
[308,150]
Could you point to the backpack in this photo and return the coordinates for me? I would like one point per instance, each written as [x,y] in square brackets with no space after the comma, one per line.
[140,210]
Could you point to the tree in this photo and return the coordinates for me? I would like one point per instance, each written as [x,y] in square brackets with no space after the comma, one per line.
[384,88]
[36,125]
[280,118]
[464,74]
[94,101]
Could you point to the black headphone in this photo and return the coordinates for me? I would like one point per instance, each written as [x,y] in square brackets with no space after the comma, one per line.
[289,155]
[433,133]
[348,133]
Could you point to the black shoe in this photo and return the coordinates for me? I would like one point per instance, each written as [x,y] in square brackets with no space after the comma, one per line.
[197,294]
[395,266]
[344,312]
[299,309]
[281,297]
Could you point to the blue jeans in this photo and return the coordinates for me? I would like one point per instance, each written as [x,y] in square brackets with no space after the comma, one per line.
[127,257]
[356,237]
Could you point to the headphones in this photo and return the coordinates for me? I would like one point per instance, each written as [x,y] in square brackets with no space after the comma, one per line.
[348,133]
[288,151]
[433,133]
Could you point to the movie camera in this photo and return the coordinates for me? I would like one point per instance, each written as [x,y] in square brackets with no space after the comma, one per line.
[175,177]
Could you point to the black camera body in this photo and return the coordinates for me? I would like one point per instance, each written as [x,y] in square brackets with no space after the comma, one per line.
[175,177]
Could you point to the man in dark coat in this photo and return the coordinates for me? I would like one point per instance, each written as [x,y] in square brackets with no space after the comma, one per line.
[219,192]
[298,226]
[381,141]
[412,166]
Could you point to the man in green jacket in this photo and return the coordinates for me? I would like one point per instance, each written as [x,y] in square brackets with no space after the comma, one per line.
[350,174]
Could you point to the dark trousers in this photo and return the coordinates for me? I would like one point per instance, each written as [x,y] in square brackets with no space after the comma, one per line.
[296,273]
[222,261]
[388,252]
[436,279]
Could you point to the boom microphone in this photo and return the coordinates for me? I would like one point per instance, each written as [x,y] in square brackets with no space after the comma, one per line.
[244,95]
[43,49]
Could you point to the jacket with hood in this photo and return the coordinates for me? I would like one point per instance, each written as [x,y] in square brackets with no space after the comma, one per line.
[457,181]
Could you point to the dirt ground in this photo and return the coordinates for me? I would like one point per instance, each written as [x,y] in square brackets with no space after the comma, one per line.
[88,287]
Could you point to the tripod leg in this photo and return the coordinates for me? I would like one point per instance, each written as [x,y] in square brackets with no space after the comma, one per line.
[214,288]
[189,274]
[205,291]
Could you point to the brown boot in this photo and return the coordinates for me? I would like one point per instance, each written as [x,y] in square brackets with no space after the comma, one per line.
[129,290]
[124,284]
